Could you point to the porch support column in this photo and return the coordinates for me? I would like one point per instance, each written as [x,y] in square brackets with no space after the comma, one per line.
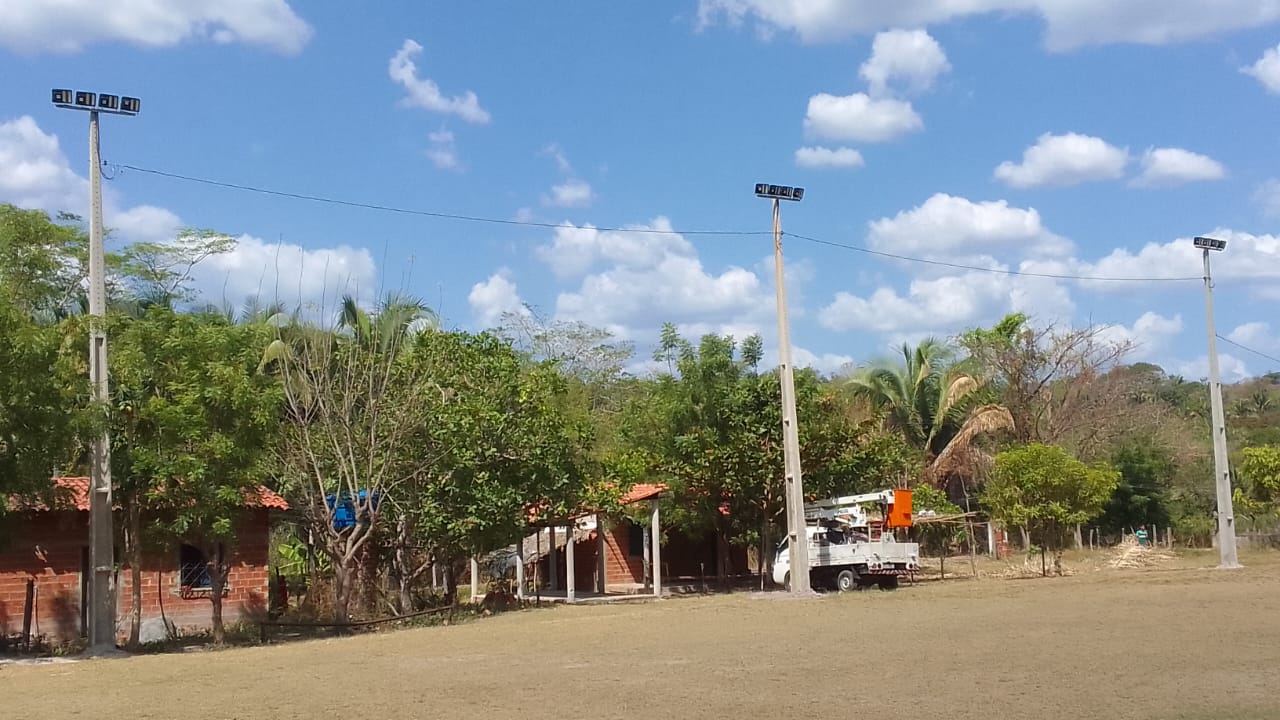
[568,566]
[648,560]
[553,562]
[475,579]
[520,567]
[602,548]
[655,534]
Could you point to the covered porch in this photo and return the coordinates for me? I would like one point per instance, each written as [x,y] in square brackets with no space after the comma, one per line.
[590,557]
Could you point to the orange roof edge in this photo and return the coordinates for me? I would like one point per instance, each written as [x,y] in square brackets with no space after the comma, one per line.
[77,488]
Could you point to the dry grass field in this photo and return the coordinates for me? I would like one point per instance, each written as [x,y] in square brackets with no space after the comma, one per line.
[1178,642]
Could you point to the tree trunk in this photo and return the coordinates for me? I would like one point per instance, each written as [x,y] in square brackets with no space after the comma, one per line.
[218,571]
[723,559]
[402,566]
[1026,539]
[133,542]
[450,584]
[342,588]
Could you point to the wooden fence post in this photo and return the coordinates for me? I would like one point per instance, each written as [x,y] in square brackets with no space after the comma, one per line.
[27,608]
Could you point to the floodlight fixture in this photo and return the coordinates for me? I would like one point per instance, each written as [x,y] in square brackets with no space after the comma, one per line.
[95,102]
[779,192]
[1208,243]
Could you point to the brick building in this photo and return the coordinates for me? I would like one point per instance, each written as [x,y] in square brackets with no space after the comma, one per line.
[50,546]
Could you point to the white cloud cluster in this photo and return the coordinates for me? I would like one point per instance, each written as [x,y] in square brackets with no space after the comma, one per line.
[1166,167]
[822,157]
[860,117]
[1073,158]
[1149,336]
[571,192]
[1069,23]
[313,279]
[425,93]
[1063,160]
[1266,70]
[910,55]
[945,226]
[444,150]
[633,280]
[34,173]
[33,26]
[494,297]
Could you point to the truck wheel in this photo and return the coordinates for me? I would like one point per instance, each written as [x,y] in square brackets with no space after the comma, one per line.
[846,581]
[888,582]
[786,582]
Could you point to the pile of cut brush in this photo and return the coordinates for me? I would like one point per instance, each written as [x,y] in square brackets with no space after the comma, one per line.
[1129,555]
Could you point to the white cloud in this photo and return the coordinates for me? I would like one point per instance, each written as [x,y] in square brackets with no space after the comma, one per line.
[1267,197]
[1070,23]
[1231,368]
[571,193]
[947,226]
[314,279]
[859,117]
[1257,336]
[1166,167]
[35,173]
[1250,260]
[1267,70]
[633,281]
[947,304]
[493,298]
[823,157]
[443,151]
[825,363]
[1062,160]
[556,153]
[1149,336]
[35,26]
[424,93]
[911,55]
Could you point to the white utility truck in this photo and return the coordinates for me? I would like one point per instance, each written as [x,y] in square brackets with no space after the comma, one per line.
[852,542]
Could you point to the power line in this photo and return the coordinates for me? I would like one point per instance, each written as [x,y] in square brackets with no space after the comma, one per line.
[979,268]
[651,231]
[1249,349]
[410,211]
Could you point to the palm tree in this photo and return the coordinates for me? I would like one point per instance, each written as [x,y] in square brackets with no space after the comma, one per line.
[397,317]
[936,404]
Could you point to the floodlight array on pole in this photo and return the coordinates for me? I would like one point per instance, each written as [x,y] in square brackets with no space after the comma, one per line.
[102,600]
[797,539]
[1221,468]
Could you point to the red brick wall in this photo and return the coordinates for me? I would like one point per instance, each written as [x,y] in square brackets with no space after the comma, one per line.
[621,568]
[48,547]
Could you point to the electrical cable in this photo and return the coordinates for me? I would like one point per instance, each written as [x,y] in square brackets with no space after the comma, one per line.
[422,213]
[1246,348]
[979,268]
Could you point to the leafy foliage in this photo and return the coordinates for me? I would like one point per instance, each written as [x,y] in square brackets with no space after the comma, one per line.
[1043,489]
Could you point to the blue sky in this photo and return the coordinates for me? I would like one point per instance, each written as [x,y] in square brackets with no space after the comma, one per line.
[1068,137]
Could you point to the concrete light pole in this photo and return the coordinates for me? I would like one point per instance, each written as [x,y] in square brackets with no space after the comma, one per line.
[102,600]
[797,539]
[1221,470]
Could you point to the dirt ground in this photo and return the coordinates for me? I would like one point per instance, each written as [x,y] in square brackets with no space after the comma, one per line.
[1181,642]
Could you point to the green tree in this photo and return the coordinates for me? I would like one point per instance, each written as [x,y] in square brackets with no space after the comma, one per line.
[192,425]
[1045,490]
[1257,492]
[1141,495]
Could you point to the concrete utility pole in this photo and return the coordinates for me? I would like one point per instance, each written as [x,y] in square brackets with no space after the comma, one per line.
[102,597]
[1221,470]
[797,539]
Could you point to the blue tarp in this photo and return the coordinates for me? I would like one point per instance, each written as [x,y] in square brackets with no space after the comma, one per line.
[345,515]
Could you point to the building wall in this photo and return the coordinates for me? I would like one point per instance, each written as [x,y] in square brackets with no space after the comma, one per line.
[51,548]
